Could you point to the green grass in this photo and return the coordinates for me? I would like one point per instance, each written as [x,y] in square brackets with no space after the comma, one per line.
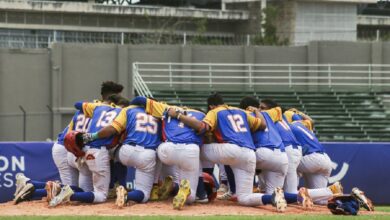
[383,208]
[275,217]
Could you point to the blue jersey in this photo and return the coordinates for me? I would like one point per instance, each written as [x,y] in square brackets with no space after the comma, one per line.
[306,138]
[286,134]
[269,137]
[177,132]
[101,116]
[140,128]
[232,125]
[78,123]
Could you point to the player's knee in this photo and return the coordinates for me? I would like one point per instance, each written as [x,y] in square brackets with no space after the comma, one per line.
[243,200]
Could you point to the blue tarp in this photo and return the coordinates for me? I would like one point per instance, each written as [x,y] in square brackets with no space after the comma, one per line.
[364,165]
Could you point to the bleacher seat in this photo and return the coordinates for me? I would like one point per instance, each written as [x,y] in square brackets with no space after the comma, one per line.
[338,116]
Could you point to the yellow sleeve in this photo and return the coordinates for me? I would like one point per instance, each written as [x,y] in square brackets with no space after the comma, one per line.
[289,115]
[254,123]
[88,108]
[211,119]
[307,124]
[275,114]
[70,126]
[120,121]
[154,108]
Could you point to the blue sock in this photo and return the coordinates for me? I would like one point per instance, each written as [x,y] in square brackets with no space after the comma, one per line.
[266,199]
[37,184]
[121,173]
[200,191]
[175,189]
[87,197]
[113,174]
[39,194]
[291,197]
[136,196]
[231,179]
[76,189]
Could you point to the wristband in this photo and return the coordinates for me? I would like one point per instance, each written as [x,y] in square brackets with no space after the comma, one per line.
[95,136]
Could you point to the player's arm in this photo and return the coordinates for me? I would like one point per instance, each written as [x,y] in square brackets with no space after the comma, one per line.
[275,114]
[256,123]
[116,127]
[199,126]
[151,106]
[86,108]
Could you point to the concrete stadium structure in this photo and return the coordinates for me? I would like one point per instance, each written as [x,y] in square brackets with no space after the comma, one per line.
[299,21]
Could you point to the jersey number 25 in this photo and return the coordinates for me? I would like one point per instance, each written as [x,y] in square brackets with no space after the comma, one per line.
[146,123]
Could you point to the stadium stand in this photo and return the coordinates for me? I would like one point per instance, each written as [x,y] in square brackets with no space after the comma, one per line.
[339,116]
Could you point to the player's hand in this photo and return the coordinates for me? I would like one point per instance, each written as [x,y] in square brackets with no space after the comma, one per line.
[293,110]
[173,112]
[252,109]
[87,137]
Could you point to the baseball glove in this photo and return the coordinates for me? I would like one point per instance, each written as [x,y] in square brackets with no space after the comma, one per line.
[74,143]
[343,205]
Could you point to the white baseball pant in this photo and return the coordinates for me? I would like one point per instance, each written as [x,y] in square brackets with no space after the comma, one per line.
[185,157]
[144,161]
[243,163]
[84,175]
[291,181]
[68,174]
[316,169]
[97,161]
[273,164]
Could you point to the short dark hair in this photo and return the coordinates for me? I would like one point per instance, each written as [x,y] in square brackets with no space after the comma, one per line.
[123,102]
[249,101]
[109,88]
[215,99]
[114,98]
[269,103]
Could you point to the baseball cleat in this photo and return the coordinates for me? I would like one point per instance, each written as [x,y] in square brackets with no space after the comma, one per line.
[21,181]
[336,188]
[304,198]
[24,194]
[202,200]
[223,188]
[121,196]
[184,191]
[226,196]
[278,200]
[362,199]
[52,190]
[154,193]
[166,188]
[63,196]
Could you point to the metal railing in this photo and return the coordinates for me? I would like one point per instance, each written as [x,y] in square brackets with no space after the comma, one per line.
[139,84]
[342,76]
[10,38]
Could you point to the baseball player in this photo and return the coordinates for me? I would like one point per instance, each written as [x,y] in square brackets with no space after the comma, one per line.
[96,157]
[292,147]
[232,128]
[270,153]
[180,147]
[315,164]
[69,174]
[143,133]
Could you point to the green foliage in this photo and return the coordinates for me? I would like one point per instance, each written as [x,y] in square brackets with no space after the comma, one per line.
[271,14]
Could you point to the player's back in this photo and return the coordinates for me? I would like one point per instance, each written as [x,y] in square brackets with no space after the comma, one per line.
[177,132]
[286,134]
[232,126]
[78,123]
[307,139]
[141,128]
[102,116]
[269,137]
